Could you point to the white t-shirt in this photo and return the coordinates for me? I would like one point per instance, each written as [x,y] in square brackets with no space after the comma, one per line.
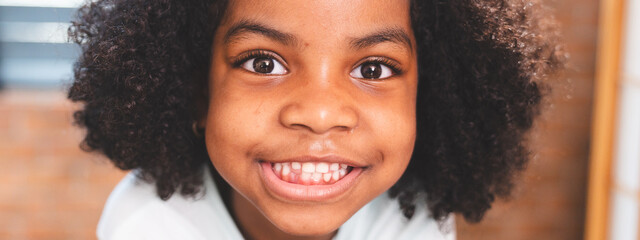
[134,211]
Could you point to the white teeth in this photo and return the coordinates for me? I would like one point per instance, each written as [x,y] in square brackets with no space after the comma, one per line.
[316,177]
[322,168]
[310,173]
[334,167]
[343,172]
[326,177]
[285,169]
[296,165]
[304,177]
[308,167]
[335,175]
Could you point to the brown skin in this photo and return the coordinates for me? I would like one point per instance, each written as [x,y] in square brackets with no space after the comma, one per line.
[316,106]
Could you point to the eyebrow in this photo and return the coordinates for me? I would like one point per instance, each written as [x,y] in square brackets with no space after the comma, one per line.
[248,26]
[395,35]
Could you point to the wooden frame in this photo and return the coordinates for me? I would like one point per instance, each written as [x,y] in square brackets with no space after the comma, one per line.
[604,118]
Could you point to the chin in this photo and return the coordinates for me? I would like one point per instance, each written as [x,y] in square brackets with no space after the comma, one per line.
[308,225]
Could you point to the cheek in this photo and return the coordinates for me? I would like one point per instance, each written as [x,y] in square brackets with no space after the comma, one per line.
[235,117]
[393,120]
[233,125]
[394,130]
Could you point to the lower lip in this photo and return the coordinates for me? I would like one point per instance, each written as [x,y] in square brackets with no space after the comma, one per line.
[314,193]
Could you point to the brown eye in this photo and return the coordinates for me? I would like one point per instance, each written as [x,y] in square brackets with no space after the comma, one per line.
[264,65]
[372,70]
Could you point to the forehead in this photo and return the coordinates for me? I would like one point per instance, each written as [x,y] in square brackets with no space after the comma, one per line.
[316,18]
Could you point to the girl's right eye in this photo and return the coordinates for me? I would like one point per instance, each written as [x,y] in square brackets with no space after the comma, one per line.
[264,65]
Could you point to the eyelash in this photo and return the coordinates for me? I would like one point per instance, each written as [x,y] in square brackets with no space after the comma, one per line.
[241,59]
[394,66]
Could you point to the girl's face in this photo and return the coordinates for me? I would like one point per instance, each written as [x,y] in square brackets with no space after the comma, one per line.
[312,108]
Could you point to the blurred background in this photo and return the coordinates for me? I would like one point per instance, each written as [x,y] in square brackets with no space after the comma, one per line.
[582,183]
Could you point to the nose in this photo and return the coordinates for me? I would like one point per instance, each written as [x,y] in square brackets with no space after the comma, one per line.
[320,110]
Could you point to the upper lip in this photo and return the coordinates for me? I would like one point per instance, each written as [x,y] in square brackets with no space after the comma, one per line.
[327,158]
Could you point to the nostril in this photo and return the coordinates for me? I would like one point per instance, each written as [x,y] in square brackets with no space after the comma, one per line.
[344,128]
[318,116]
[300,126]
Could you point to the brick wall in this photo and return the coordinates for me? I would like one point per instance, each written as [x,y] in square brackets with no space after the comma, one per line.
[49,189]
[549,201]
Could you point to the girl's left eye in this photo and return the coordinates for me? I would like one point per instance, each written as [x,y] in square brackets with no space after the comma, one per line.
[264,65]
[372,70]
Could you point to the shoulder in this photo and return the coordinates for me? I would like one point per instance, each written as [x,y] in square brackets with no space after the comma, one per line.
[129,198]
[382,219]
[134,211]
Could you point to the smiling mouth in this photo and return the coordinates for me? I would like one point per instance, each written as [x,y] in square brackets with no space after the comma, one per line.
[310,179]
[310,173]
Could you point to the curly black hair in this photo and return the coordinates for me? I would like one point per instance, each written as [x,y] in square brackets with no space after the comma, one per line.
[144,66]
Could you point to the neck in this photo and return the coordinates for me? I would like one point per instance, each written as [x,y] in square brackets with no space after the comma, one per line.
[256,226]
